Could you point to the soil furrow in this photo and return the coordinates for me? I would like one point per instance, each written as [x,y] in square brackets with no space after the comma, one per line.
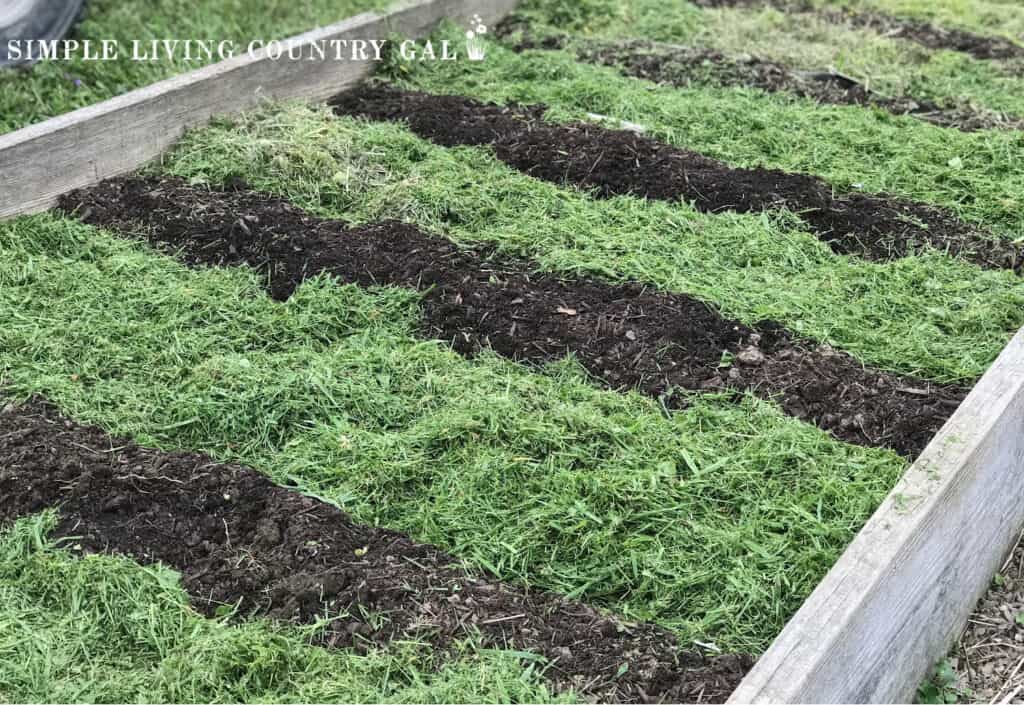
[627,336]
[238,539]
[621,162]
[683,66]
[926,34]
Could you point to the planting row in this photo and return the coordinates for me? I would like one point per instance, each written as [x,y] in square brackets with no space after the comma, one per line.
[410,269]
[931,316]
[924,33]
[684,66]
[767,49]
[145,643]
[715,520]
[240,541]
[622,162]
[856,151]
[627,336]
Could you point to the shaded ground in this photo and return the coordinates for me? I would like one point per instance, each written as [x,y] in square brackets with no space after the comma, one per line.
[682,66]
[618,162]
[627,336]
[924,33]
[989,658]
[238,539]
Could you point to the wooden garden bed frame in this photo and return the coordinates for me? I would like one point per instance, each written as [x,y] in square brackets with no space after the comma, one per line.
[899,595]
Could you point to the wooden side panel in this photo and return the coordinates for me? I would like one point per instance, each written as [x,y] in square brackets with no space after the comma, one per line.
[43,161]
[900,594]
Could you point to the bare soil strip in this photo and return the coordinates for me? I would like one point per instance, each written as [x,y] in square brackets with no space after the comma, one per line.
[924,33]
[682,66]
[238,539]
[620,162]
[627,336]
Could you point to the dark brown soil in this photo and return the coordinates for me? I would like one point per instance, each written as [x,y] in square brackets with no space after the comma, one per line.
[924,33]
[238,539]
[627,336]
[683,66]
[618,162]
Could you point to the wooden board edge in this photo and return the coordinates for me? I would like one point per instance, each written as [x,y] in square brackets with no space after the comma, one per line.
[43,161]
[900,594]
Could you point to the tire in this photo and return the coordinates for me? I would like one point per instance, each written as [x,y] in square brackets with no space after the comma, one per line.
[34,19]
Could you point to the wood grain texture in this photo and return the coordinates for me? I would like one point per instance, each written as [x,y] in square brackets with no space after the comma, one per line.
[81,148]
[898,597]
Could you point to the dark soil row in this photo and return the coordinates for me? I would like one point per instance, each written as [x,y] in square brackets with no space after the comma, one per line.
[924,33]
[619,162]
[627,336]
[236,538]
[683,66]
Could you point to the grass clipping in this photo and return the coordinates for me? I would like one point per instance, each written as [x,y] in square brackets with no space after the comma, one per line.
[105,629]
[716,521]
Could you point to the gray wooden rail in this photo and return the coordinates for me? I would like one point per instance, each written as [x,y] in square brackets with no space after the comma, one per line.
[43,161]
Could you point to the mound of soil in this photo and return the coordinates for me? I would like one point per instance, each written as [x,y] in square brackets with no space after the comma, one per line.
[683,66]
[924,33]
[620,162]
[627,336]
[236,538]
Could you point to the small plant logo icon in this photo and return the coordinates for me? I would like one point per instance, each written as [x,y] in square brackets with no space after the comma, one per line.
[475,46]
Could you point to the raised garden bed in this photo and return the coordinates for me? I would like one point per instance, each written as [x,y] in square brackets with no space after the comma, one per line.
[607,405]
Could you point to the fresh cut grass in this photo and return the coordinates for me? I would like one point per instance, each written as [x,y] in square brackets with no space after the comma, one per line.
[928,315]
[105,629]
[977,176]
[995,17]
[716,521]
[809,42]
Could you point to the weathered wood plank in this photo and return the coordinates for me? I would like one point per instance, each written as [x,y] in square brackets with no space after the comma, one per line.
[43,161]
[901,593]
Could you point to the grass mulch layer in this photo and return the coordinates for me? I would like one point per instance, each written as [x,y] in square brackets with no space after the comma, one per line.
[241,542]
[991,91]
[973,176]
[930,316]
[926,34]
[627,336]
[617,162]
[684,66]
[534,409]
[714,521]
[102,628]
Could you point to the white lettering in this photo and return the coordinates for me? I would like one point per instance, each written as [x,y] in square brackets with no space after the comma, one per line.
[47,49]
[226,49]
[407,50]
